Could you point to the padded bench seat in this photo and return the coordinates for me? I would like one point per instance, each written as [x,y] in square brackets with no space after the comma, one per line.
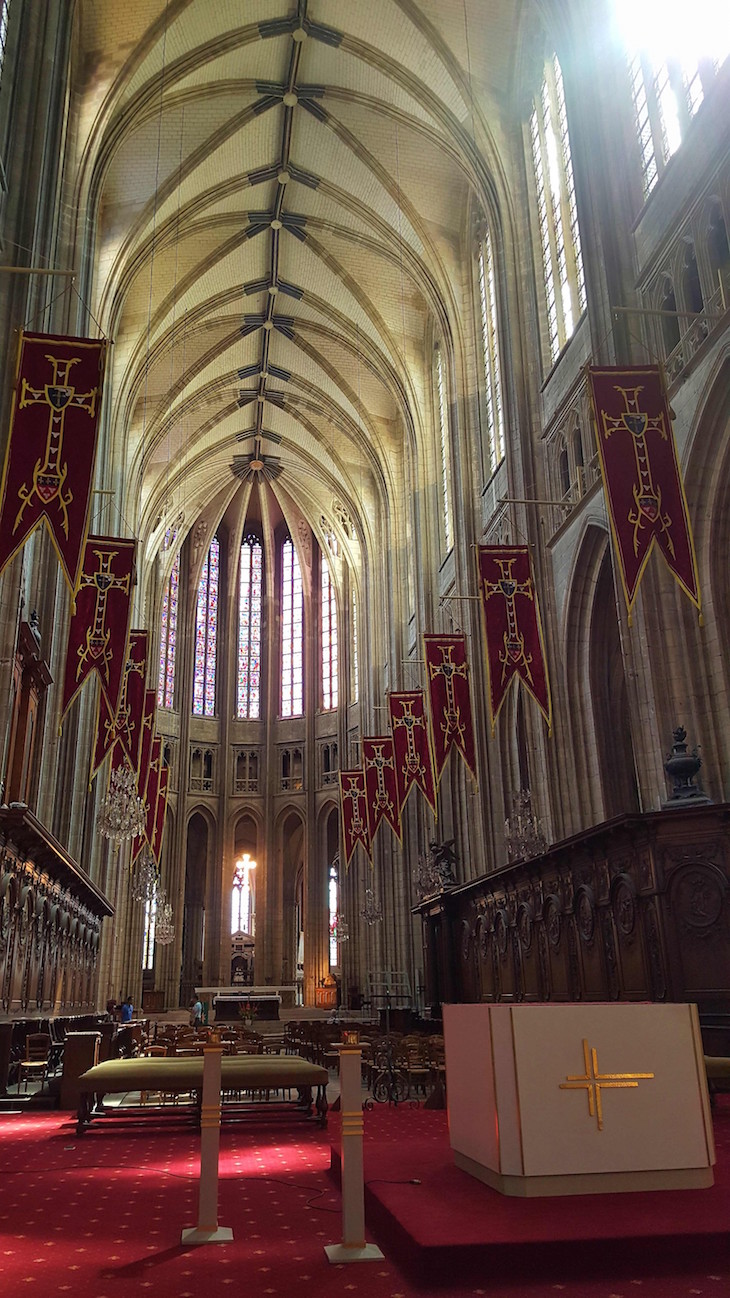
[185,1075]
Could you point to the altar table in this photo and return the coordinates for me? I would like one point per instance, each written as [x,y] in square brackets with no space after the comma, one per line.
[578,1099]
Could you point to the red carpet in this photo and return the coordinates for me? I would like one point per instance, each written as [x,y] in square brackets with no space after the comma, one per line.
[101,1217]
[451,1224]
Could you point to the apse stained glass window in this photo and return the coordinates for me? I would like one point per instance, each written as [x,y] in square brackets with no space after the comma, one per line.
[248,697]
[206,633]
[292,633]
[490,354]
[242,913]
[330,681]
[556,209]
[168,639]
[443,430]
[334,901]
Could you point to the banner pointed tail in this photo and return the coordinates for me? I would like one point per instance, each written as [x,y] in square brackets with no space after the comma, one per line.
[98,633]
[354,814]
[381,785]
[452,726]
[131,711]
[513,630]
[150,799]
[158,828]
[106,735]
[147,736]
[51,450]
[411,746]
[641,476]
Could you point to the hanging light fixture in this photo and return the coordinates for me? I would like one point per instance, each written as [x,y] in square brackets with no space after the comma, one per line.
[144,877]
[122,813]
[371,911]
[164,927]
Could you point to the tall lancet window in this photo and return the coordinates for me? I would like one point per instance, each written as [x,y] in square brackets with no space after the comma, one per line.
[248,697]
[674,55]
[442,415]
[490,354]
[242,908]
[355,673]
[206,634]
[328,608]
[557,213]
[168,638]
[292,633]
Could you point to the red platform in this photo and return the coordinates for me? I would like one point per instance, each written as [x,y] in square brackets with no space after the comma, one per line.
[451,1225]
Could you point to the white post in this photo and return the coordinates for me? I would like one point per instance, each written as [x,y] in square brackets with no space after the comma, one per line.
[353,1247]
[207,1230]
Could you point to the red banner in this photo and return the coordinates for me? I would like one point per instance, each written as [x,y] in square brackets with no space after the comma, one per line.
[126,727]
[149,797]
[512,626]
[49,462]
[641,476]
[131,710]
[107,734]
[147,736]
[413,761]
[381,785]
[447,669]
[158,828]
[99,631]
[354,813]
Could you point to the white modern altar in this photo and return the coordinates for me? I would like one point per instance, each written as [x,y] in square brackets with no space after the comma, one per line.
[578,1099]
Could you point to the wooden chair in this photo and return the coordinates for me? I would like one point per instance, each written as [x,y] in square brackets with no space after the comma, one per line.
[35,1064]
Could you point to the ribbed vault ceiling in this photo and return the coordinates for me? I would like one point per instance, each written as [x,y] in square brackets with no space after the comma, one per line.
[278,191]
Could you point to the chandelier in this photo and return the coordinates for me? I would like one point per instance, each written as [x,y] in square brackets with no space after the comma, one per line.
[122,813]
[522,830]
[164,927]
[339,929]
[371,911]
[435,872]
[144,877]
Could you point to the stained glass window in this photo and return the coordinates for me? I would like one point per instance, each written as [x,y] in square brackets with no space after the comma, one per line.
[4,17]
[248,697]
[148,941]
[330,680]
[168,639]
[490,354]
[206,632]
[292,637]
[334,901]
[556,209]
[443,429]
[674,56]
[355,683]
[242,907]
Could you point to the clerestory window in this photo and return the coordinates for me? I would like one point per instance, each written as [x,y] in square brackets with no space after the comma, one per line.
[206,634]
[562,260]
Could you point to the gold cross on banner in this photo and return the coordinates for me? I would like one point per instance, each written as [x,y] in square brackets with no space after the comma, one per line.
[594,1082]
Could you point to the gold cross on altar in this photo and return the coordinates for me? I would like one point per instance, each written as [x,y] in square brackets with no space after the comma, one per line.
[594,1082]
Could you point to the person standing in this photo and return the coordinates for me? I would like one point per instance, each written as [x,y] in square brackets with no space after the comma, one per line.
[196,1013]
[127,1010]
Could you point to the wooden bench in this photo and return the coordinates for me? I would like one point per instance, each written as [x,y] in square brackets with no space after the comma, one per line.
[251,1074]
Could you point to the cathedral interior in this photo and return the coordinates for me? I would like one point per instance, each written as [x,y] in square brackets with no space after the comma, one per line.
[411,326]
[353,262]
